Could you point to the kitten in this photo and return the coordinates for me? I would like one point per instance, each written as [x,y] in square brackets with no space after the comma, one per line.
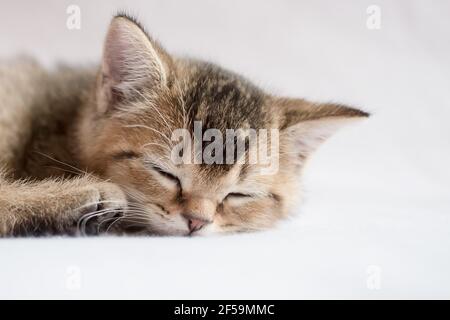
[89,150]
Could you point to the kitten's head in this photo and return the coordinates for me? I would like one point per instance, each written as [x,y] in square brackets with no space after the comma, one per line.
[144,96]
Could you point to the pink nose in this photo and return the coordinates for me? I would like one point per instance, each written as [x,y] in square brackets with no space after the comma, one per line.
[195,224]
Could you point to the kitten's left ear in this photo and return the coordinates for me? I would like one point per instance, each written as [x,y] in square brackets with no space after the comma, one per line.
[305,125]
[131,61]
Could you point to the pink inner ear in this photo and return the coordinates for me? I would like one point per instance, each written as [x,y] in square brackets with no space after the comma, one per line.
[115,55]
[307,136]
[130,59]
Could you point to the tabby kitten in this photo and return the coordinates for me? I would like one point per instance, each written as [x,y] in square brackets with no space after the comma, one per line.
[88,151]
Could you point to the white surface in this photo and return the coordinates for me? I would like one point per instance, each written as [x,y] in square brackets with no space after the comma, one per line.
[378,193]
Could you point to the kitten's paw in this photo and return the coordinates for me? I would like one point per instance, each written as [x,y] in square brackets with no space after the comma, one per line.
[103,209]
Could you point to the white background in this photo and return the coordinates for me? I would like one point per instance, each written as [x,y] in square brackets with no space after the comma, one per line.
[376,220]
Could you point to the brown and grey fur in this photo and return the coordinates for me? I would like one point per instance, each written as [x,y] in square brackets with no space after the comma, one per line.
[78,146]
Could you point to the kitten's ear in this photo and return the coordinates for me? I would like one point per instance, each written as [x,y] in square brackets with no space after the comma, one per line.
[131,61]
[305,125]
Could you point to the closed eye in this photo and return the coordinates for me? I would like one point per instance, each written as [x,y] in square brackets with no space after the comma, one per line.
[167,175]
[126,154]
[238,195]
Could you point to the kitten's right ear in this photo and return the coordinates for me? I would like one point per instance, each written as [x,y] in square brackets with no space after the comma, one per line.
[305,125]
[131,62]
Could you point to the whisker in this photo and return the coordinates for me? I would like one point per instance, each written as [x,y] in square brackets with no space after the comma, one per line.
[64,170]
[97,203]
[157,144]
[61,162]
[152,129]
[82,222]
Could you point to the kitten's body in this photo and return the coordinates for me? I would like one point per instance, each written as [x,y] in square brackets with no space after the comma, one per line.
[41,189]
[65,132]
[38,115]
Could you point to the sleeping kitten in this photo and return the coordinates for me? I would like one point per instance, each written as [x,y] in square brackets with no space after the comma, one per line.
[90,151]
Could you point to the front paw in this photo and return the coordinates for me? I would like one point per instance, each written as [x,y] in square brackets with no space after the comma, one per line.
[103,209]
